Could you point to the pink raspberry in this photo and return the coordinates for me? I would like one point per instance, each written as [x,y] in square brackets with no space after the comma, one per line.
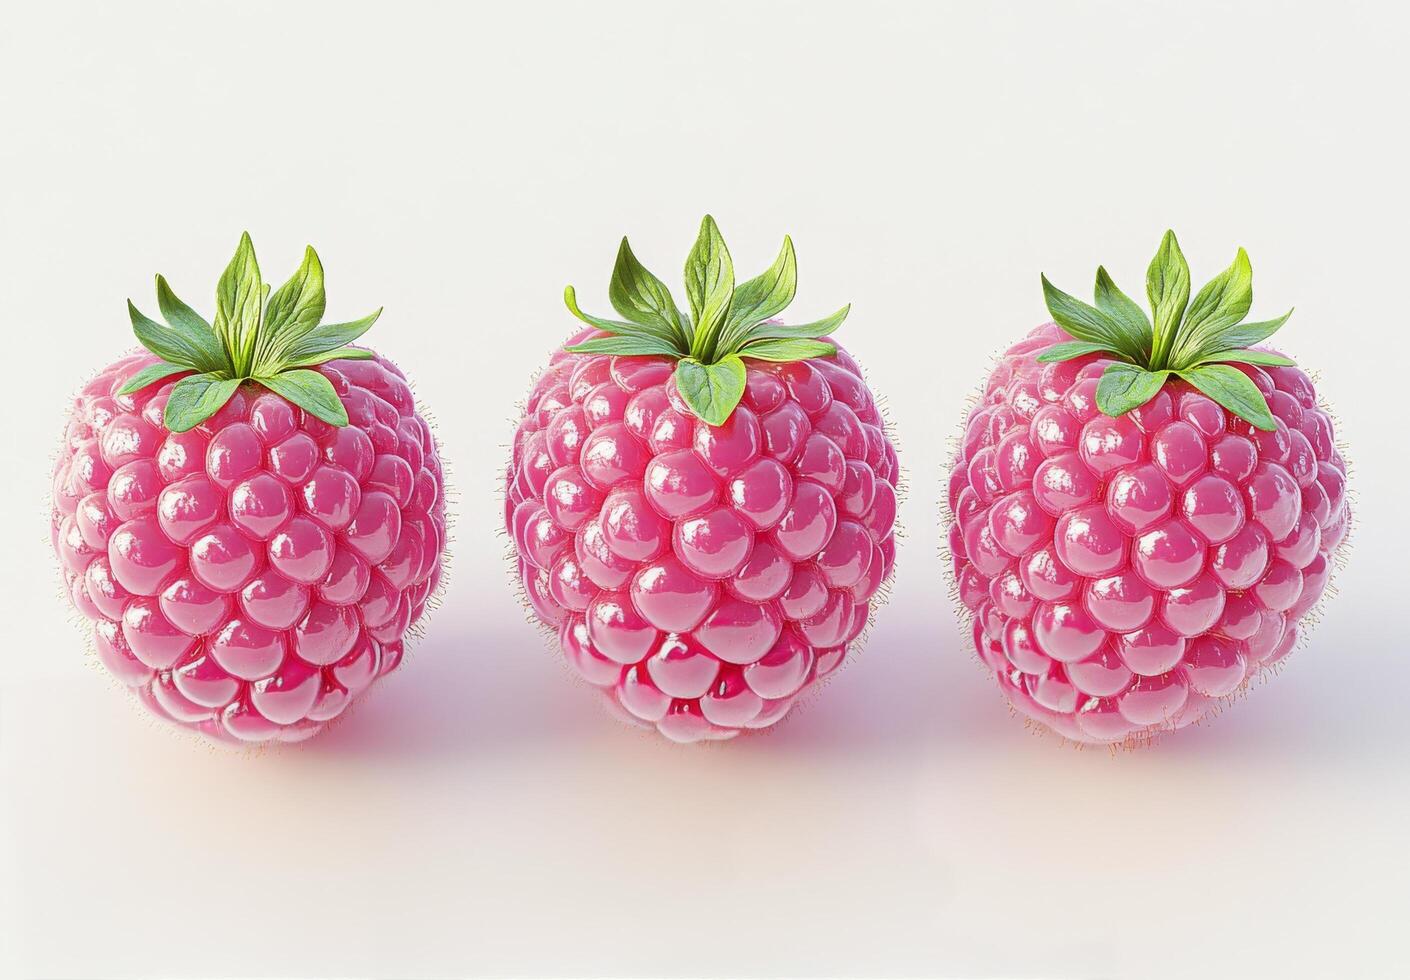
[702,507]
[253,514]
[1142,514]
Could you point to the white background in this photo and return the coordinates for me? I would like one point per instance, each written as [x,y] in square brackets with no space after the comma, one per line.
[479,814]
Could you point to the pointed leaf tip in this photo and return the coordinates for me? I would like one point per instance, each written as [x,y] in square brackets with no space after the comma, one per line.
[1123,310]
[643,299]
[178,314]
[178,343]
[762,297]
[239,306]
[618,327]
[1168,290]
[1261,358]
[1083,322]
[1220,304]
[813,330]
[330,336]
[1244,335]
[709,286]
[292,313]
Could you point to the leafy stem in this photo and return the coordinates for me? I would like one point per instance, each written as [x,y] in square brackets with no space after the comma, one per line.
[1196,340]
[272,341]
[727,323]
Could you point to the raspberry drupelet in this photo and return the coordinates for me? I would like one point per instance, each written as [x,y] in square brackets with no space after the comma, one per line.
[252,515]
[1143,514]
[702,506]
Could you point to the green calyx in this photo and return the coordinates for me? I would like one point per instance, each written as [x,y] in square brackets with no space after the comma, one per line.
[274,344]
[1196,340]
[726,324]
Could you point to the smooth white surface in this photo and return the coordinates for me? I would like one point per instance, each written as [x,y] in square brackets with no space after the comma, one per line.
[479,814]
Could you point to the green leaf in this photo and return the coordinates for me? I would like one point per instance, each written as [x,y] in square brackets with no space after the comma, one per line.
[619,327]
[1243,335]
[339,354]
[711,390]
[1262,358]
[709,284]
[177,313]
[1123,309]
[293,311]
[150,374]
[310,391]
[196,399]
[1233,389]
[1089,323]
[763,296]
[239,298]
[1126,386]
[1069,349]
[330,336]
[645,300]
[784,349]
[177,345]
[781,331]
[641,346]
[1221,303]
[1168,288]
